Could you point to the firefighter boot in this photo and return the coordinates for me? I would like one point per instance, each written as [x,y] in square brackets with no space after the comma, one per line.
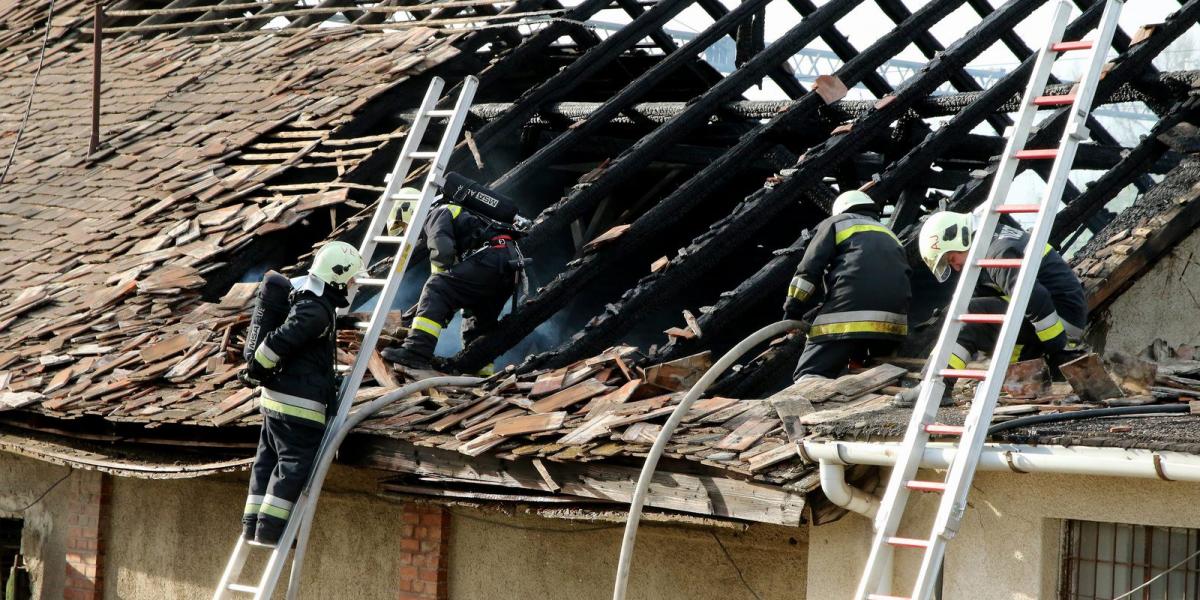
[908,397]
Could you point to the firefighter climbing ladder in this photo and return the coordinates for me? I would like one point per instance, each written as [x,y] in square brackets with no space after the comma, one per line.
[298,526]
[974,432]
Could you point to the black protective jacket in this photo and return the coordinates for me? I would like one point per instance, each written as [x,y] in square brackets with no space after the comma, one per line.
[304,384]
[1057,307]
[858,270]
[452,232]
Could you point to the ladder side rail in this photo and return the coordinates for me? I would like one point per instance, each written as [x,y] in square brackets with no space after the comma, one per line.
[962,470]
[399,265]
[237,560]
[321,468]
[896,495]
[412,142]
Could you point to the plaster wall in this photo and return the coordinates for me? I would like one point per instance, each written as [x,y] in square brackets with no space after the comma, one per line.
[1009,546]
[499,556]
[44,535]
[1163,303]
[170,538]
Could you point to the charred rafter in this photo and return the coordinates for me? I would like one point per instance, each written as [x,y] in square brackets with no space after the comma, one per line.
[1126,68]
[700,186]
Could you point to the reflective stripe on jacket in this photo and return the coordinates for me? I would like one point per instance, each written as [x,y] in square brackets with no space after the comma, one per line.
[857,269]
[1057,306]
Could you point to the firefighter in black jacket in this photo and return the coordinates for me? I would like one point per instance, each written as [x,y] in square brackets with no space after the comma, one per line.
[1057,310]
[294,368]
[865,275]
[473,267]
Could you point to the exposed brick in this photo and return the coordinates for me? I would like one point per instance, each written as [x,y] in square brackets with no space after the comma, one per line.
[424,553]
[88,516]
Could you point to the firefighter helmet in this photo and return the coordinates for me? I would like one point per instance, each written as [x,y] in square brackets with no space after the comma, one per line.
[336,263]
[944,232]
[847,200]
[402,210]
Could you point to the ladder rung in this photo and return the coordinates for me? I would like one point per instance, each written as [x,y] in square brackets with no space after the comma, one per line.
[1036,154]
[926,486]
[1014,209]
[1063,100]
[908,542]
[939,429]
[245,589]
[997,319]
[999,263]
[406,196]
[389,239]
[362,324]
[442,112]
[979,374]
[371,281]
[1069,46]
[420,155]
[342,368]
[886,597]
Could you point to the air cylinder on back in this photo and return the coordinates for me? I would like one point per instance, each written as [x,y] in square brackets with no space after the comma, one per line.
[270,310]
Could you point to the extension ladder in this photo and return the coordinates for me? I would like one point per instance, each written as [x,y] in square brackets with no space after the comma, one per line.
[298,526]
[973,433]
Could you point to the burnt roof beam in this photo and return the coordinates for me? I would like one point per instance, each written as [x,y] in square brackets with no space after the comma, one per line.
[931,47]
[785,79]
[583,198]
[912,165]
[161,18]
[841,46]
[759,210]
[575,74]
[626,98]
[1135,162]
[700,186]
[1127,67]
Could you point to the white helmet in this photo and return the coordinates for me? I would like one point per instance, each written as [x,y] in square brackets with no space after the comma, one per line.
[847,200]
[402,210]
[336,263]
[943,232]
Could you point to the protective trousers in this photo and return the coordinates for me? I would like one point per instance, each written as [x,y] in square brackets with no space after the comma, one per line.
[286,452]
[480,286]
[830,357]
[976,337]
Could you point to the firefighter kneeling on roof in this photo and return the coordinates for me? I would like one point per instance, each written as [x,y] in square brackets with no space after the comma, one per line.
[475,266]
[865,275]
[293,367]
[1054,318]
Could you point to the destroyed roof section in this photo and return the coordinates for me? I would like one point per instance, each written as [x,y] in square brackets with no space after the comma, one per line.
[101,309]
[1134,241]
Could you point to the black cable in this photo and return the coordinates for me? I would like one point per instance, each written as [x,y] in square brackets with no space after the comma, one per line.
[735,566]
[1088,414]
[32,89]
[44,494]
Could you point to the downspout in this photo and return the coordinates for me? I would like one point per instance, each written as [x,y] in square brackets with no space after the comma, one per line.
[841,493]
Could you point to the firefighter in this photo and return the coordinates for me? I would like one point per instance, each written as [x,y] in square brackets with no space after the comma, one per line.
[473,268]
[865,276]
[1057,310]
[294,368]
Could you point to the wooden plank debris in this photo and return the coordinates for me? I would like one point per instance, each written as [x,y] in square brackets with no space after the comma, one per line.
[569,396]
[530,424]
[1087,376]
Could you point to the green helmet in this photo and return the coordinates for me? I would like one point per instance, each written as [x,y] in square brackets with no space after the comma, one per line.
[943,232]
[336,263]
[402,211]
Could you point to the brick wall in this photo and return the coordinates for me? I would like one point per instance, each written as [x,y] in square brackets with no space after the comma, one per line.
[87,518]
[424,548]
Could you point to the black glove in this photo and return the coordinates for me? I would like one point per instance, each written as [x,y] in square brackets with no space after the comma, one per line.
[255,374]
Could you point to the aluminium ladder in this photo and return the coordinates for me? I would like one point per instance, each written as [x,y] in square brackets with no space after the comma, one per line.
[972,435]
[299,524]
